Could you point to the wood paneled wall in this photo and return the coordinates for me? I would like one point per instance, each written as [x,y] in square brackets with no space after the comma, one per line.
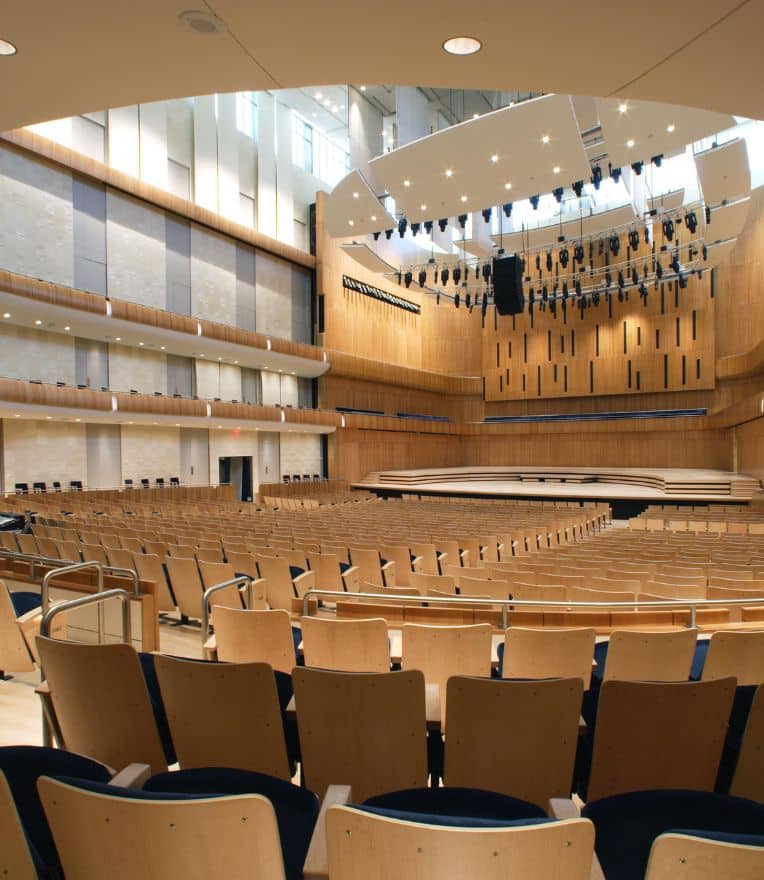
[663,344]
[749,439]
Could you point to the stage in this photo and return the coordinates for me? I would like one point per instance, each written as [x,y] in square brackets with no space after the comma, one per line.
[629,489]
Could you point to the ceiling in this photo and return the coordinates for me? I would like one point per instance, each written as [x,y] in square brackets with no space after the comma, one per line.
[86,55]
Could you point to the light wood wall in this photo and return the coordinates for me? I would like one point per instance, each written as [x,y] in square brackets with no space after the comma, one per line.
[749,439]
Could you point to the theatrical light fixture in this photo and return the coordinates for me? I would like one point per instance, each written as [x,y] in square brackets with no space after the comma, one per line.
[564,257]
[449,172]
[578,254]
[578,188]
[507,209]
[704,251]
[668,229]
[671,128]
[637,167]
[456,300]
[463,198]
[407,279]
[615,245]
[615,173]
[507,186]
[415,227]
[634,275]
[675,265]
[422,277]
[622,108]
[658,271]
[402,226]
[457,275]
[556,169]
[423,207]
[444,275]
[428,226]
[462,45]
[534,200]
[630,143]
[545,139]
[462,218]
[388,234]
[486,271]
[486,212]
[407,182]
[657,160]
[634,239]
[557,193]
[351,223]
[708,215]
[495,158]
[596,176]
[691,220]
[355,195]
[443,223]
[376,236]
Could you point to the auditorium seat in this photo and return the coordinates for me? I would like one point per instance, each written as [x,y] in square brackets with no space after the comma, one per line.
[748,779]
[256,637]
[331,573]
[648,656]
[20,616]
[283,582]
[186,585]
[548,653]
[685,855]
[240,722]
[150,568]
[346,645]
[372,568]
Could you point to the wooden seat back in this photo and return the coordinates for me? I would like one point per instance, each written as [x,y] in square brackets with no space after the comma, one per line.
[377,739]
[658,735]
[748,781]
[683,857]
[650,656]
[346,645]
[549,653]
[240,725]
[738,654]
[186,585]
[150,568]
[254,637]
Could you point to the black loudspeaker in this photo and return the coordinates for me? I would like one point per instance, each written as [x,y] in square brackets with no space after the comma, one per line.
[508,285]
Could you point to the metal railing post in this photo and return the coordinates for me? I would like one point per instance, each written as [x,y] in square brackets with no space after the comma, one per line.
[59,572]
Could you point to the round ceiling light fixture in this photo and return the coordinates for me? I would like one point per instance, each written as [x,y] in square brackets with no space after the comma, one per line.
[203,23]
[7,48]
[462,45]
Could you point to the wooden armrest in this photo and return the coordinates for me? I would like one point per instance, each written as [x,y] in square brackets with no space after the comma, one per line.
[305,581]
[30,616]
[350,576]
[416,562]
[316,862]
[563,808]
[388,573]
[42,689]
[210,648]
[132,776]
[464,555]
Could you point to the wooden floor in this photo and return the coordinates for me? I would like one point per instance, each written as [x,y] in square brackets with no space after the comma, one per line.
[630,484]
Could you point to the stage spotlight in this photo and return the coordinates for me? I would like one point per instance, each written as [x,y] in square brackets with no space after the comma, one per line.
[668,229]
[620,295]
[708,215]
[538,262]
[557,193]
[637,167]
[443,223]
[444,275]
[549,261]
[578,254]
[596,298]
[428,227]
[643,292]
[564,257]
[467,301]
[682,280]
[462,218]
[691,220]
[634,239]
[484,304]
[415,227]
[647,235]
[486,212]
[534,200]
[621,280]
[578,287]
[407,279]
[477,272]
[615,245]
[564,291]
[422,277]
[376,235]
[457,275]
[608,278]
[507,208]
[634,275]
[657,160]
[398,275]
[615,173]
[675,265]
[544,293]
[456,300]
[402,226]
[388,234]
[596,176]
[658,271]
[437,298]
[486,271]
[578,188]
[705,252]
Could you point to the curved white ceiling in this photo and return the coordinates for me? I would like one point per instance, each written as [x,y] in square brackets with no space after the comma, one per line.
[87,55]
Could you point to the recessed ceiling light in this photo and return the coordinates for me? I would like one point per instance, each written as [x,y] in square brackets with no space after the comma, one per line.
[495,157]
[155,423]
[407,183]
[118,339]
[355,195]
[335,108]
[17,416]
[141,343]
[463,198]
[7,48]
[423,207]
[556,169]
[351,223]
[374,218]
[236,362]
[129,423]
[67,327]
[622,108]
[507,186]
[202,354]
[177,424]
[630,143]
[671,128]
[363,88]
[38,322]
[6,314]
[545,139]
[78,420]
[162,347]
[475,115]
[220,359]
[449,172]
[202,22]
[48,417]
[462,45]
[327,102]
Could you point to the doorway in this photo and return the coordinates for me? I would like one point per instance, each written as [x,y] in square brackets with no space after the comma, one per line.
[237,470]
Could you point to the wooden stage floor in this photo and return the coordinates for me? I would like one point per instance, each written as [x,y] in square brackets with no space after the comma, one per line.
[660,485]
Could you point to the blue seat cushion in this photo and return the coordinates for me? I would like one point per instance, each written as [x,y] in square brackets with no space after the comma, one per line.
[157,705]
[22,766]
[722,836]
[285,691]
[23,601]
[456,802]
[627,824]
[699,659]
[295,571]
[344,566]
[296,808]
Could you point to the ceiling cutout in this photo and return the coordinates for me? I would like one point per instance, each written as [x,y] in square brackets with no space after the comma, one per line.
[353,209]
[638,130]
[510,154]
[724,172]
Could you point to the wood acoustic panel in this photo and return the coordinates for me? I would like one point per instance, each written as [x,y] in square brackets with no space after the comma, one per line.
[630,347]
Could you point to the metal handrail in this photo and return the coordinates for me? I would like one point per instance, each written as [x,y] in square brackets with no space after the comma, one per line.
[58,572]
[692,604]
[242,580]
[130,572]
[61,563]
[94,598]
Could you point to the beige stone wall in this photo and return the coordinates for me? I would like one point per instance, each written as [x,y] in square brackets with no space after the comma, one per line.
[43,450]
[271,384]
[289,390]
[213,276]
[138,368]
[228,441]
[135,245]
[207,379]
[36,219]
[36,354]
[273,292]
[150,451]
[300,453]
[230,382]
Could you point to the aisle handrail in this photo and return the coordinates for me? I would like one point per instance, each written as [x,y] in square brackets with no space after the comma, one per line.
[93,599]
[558,604]
[241,580]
